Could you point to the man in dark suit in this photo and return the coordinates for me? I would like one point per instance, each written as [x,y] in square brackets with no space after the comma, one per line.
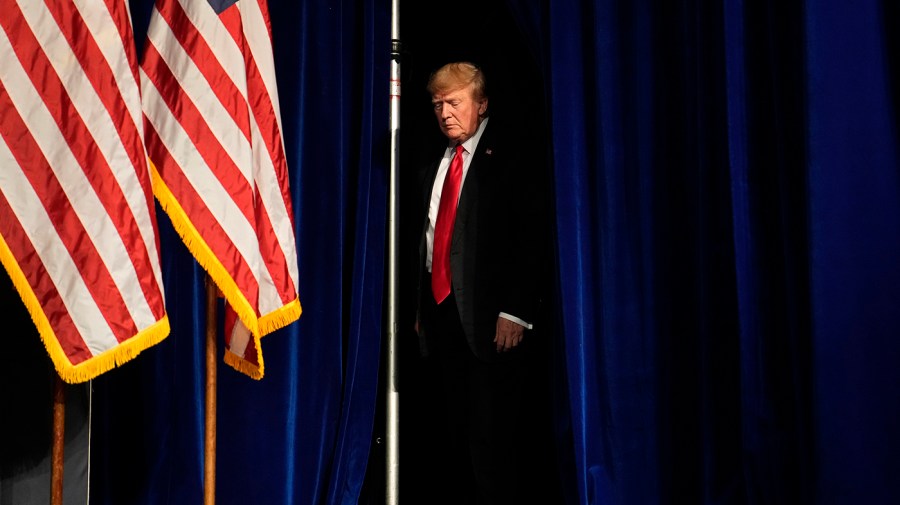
[478,264]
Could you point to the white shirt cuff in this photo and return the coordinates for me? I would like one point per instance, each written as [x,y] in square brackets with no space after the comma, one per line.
[516,320]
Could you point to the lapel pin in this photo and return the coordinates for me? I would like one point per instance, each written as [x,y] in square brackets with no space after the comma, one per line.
[488,151]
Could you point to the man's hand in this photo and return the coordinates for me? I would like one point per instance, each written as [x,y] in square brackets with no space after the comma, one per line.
[509,334]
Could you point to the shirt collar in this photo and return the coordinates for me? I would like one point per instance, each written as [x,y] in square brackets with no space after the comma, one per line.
[470,144]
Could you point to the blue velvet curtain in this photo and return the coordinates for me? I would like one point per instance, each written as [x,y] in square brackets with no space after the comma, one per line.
[727,194]
[302,434]
[727,188]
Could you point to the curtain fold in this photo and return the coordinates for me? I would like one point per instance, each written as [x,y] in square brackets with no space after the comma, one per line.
[854,226]
[600,219]
[768,166]
[302,434]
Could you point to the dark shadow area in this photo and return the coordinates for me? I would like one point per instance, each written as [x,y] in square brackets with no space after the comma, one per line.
[891,13]
[26,388]
[707,404]
[26,416]
[490,37]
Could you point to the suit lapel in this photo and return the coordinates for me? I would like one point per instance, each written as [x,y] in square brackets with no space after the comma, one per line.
[480,164]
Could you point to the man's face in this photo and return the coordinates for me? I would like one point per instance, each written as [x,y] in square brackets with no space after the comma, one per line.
[458,113]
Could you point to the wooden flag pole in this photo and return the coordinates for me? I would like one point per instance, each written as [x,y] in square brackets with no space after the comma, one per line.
[59,439]
[209,473]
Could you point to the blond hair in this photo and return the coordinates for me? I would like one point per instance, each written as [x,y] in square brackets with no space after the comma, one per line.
[457,75]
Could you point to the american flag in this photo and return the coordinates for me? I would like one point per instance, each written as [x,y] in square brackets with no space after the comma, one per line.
[214,137]
[78,230]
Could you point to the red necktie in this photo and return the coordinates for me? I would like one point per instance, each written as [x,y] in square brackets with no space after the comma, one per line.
[443,229]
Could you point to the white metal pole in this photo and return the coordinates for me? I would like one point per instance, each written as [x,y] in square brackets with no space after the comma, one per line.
[392,453]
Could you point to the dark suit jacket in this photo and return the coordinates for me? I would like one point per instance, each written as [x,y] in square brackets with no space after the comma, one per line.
[494,253]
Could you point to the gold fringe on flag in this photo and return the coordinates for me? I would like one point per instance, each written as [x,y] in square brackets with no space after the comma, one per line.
[202,252]
[92,367]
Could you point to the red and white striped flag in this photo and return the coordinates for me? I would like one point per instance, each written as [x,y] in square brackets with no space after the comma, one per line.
[214,138]
[78,230]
